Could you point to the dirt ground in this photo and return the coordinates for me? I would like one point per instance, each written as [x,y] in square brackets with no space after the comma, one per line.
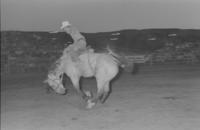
[156,98]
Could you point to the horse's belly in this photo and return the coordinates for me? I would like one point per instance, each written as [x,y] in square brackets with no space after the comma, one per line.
[86,71]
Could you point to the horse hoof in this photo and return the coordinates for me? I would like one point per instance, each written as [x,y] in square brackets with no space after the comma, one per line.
[90,104]
[88,94]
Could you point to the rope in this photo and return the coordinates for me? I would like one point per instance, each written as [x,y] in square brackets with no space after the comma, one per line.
[90,63]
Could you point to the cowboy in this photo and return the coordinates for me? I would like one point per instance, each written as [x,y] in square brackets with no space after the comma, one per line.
[79,45]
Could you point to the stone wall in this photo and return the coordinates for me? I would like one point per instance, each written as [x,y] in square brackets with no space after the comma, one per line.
[36,51]
[30,51]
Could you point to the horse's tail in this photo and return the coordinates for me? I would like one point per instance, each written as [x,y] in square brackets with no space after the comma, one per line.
[121,60]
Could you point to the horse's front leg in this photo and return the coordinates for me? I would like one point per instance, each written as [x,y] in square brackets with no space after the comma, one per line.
[92,102]
[100,94]
[75,82]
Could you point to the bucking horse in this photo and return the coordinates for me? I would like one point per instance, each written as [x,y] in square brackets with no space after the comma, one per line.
[103,66]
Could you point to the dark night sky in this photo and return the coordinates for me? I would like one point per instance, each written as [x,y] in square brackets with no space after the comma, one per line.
[99,15]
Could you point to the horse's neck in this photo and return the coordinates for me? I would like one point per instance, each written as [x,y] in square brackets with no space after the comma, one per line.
[58,70]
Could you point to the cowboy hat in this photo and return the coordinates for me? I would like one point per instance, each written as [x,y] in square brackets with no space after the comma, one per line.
[65,24]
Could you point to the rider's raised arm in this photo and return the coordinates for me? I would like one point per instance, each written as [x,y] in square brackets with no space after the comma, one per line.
[73,31]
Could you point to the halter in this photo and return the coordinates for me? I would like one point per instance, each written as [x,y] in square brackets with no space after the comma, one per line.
[55,80]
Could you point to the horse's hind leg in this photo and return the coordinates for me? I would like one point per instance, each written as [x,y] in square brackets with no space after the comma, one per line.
[106,92]
[98,96]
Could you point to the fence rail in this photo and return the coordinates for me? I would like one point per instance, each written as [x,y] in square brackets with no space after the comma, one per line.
[42,64]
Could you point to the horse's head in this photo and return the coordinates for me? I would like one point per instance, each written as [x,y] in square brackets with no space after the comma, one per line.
[55,82]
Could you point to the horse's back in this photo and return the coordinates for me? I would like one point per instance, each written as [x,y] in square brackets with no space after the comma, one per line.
[94,64]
